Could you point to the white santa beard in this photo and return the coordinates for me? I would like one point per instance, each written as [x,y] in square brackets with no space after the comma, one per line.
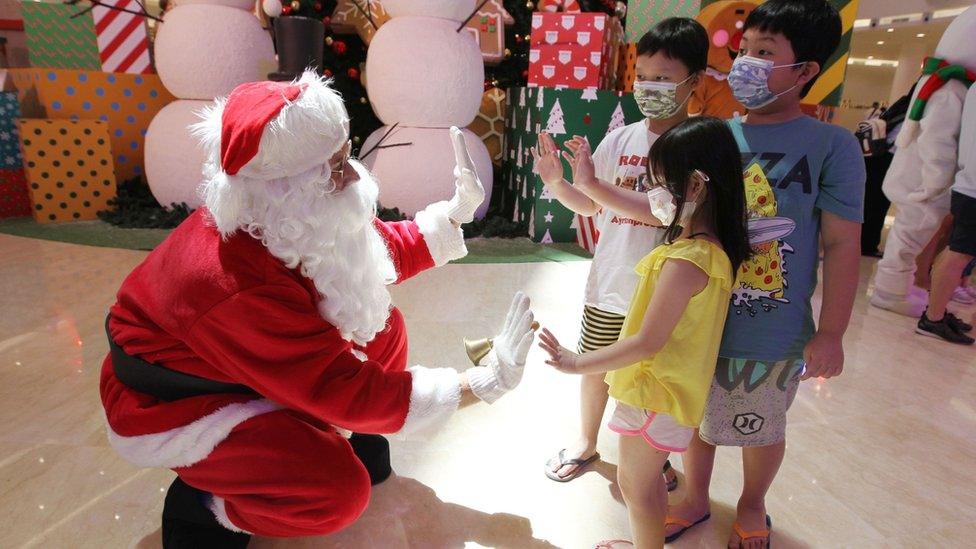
[330,236]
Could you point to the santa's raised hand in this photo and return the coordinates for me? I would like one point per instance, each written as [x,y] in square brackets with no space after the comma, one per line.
[505,363]
[468,193]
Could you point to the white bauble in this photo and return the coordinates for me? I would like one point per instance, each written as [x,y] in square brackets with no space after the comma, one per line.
[174,159]
[413,176]
[205,51]
[272,8]
[246,5]
[422,73]
[455,10]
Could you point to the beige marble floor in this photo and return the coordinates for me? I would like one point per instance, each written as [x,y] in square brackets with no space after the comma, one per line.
[884,456]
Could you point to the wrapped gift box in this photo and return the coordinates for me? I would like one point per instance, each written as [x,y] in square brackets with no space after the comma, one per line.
[69,168]
[563,113]
[627,67]
[127,102]
[9,144]
[575,50]
[14,199]
[56,40]
[644,14]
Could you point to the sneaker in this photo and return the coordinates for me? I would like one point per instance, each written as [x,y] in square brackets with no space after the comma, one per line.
[957,323]
[942,330]
[961,296]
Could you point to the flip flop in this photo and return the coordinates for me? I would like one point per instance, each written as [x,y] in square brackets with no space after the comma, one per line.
[743,535]
[684,524]
[613,544]
[579,463]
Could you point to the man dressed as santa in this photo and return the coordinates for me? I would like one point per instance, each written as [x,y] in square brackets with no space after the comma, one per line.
[261,330]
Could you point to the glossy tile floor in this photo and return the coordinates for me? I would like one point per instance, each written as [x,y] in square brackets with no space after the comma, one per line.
[884,456]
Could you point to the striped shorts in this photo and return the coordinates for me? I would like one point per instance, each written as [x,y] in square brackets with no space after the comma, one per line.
[600,329]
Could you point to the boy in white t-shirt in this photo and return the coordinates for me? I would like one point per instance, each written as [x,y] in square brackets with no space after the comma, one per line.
[671,60]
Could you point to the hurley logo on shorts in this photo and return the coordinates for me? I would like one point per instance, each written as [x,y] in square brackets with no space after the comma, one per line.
[748,423]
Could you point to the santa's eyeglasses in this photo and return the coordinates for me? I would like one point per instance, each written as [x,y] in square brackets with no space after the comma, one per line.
[338,169]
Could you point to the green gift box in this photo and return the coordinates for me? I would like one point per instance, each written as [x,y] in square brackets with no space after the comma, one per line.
[642,15]
[562,113]
[57,39]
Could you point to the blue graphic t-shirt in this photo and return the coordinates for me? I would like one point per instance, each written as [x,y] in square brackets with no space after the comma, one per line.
[793,171]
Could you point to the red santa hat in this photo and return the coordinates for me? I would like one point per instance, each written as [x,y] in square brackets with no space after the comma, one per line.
[272,130]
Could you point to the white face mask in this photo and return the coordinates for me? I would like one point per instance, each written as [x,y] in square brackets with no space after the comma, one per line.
[663,205]
[658,100]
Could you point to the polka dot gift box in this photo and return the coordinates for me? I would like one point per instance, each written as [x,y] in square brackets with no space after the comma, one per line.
[69,166]
[127,102]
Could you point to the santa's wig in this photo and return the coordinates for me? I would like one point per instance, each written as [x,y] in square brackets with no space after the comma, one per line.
[268,174]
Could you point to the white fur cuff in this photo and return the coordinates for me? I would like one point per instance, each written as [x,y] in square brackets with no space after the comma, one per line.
[434,397]
[444,241]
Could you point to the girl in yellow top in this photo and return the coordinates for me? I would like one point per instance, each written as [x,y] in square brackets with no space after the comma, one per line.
[661,368]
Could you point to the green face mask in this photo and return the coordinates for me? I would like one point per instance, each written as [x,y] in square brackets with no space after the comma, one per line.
[659,100]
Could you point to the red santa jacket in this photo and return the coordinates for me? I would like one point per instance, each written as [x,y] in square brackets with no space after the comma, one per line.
[228,310]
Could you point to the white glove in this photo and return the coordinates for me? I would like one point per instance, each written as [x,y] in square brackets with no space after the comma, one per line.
[506,361]
[469,193]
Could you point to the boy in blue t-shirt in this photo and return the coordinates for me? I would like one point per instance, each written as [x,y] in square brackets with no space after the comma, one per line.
[804,180]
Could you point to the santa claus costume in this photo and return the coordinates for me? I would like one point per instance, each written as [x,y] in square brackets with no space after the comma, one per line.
[262,327]
[924,166]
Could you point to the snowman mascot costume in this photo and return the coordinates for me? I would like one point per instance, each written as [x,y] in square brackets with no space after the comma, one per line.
[256,353]
[921,174]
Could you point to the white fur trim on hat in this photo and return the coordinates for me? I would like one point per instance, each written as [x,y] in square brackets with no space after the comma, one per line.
[444,241]
[186,445]
[305,134]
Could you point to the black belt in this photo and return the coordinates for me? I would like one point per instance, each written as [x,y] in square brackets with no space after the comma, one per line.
[161,382]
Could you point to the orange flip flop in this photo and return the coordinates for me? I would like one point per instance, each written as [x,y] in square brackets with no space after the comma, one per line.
[743,535]
[684,524]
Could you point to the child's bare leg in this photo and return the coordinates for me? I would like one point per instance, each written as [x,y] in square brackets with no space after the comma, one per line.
[644,491]
[697,461]
[593,401]
[759,467]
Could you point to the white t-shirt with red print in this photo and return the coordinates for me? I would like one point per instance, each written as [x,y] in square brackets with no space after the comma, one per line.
[621,160]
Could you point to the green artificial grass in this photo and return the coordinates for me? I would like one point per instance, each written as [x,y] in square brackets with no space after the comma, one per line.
[99,233]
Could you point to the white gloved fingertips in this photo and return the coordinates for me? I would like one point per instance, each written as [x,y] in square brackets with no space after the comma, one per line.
[505,363]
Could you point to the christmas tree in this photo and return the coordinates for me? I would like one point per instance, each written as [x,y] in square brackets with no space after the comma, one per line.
[616,119]
[555,125]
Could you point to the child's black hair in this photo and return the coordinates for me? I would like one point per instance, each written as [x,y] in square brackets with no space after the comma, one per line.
[679,38]
[705,144]
[812,27]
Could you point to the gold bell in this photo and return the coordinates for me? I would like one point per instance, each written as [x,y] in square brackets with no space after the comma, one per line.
[478,349]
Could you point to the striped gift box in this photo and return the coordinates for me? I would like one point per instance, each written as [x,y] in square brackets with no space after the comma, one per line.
[123,44]
[587,235]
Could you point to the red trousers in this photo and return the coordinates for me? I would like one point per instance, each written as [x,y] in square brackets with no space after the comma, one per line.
[282,475]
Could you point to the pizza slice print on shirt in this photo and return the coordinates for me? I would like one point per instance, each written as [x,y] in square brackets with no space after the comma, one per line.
[762,282]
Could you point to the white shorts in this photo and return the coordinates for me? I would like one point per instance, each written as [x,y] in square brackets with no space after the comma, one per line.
[659,430]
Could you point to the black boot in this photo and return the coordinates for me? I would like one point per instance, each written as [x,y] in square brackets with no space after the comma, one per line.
[188,524]
[374,452]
